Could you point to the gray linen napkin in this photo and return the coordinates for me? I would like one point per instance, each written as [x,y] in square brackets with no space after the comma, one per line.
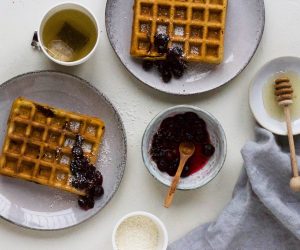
[263,213]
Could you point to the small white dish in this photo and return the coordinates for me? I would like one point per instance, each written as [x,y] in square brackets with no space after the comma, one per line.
[256,98]
[162,241]
[212,167]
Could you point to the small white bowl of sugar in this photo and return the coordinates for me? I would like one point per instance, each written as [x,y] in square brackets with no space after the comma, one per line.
[140,231]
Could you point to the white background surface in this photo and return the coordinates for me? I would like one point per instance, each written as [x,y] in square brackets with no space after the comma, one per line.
[137,105]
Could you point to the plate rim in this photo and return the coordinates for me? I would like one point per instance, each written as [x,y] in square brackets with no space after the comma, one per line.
[108,32]
[123,162]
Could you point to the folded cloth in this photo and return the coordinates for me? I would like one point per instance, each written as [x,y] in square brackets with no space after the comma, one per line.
[263,213]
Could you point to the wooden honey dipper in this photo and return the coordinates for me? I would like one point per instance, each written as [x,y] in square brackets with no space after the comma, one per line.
[284,96]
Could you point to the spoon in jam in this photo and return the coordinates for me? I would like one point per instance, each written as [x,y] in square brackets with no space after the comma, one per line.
[186,150]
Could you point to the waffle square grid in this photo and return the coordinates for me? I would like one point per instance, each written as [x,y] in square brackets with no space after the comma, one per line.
[39,142]
[197,26]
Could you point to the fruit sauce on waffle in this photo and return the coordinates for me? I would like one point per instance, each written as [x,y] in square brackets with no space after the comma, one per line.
[174,130]
[85,176]
[172,65]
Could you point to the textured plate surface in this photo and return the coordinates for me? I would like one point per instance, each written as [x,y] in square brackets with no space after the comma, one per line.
[40,207]
[244,29]
[279,65]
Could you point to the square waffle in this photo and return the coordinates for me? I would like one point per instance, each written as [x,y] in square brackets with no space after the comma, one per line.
[197,26]
[39,142]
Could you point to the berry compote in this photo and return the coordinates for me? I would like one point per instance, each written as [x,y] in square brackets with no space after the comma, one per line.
[173,65]
[186,127]
[161,42]
[85,176]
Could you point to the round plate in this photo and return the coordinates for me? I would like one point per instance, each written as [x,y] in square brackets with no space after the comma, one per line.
[244,29]
[272,68]
[39,207]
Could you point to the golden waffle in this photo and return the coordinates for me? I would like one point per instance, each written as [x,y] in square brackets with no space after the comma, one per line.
[39,142]
[197,26]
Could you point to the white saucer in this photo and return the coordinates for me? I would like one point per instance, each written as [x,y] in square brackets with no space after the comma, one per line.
[278,65]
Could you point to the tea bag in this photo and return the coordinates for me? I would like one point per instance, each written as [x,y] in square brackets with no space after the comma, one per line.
[68,41]
[61,51]
[72,37]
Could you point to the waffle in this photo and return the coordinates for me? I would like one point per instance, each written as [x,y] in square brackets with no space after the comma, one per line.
[197,26]
[39,142]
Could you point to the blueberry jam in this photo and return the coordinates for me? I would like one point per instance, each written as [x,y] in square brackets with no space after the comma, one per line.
[174,130]
[85,176]
[161,42]
[45,111]
[173,65]
[147,65]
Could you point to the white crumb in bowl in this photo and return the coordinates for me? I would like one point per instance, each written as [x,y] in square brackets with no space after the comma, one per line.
[136,233]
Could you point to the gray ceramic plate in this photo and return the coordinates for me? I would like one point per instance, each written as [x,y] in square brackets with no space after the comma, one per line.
[244,29]
[39,207]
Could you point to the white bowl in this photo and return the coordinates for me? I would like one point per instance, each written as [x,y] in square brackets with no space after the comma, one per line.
[212,167]
[162,232]
[54,10]
[271,68]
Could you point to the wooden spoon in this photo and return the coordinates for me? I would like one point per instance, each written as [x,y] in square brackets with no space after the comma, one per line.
[186,150]
[284,95]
